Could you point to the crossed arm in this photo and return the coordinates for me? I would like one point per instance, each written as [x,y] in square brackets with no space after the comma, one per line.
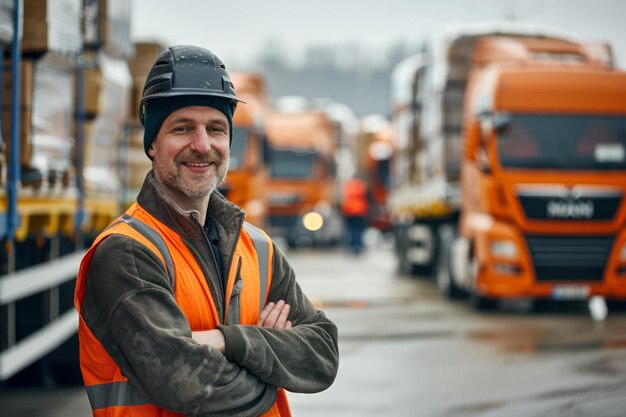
[273,316]
[132,313]
[299,357]
[232,370]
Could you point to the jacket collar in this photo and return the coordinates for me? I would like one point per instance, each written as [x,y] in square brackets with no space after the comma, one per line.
[227,216]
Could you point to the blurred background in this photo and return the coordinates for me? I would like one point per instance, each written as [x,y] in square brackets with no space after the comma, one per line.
[446,178]
[345,50]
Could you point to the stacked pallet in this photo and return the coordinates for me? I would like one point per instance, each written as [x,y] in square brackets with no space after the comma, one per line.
[75,88]
[106,95]
[136,163]
[51,44]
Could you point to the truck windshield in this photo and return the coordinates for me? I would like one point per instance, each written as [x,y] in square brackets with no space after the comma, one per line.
[591,142]
[238,147]
[292,164]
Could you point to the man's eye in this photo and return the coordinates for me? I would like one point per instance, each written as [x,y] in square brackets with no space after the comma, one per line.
[181,129]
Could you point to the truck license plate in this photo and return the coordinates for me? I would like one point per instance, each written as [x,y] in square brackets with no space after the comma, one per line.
[570,292]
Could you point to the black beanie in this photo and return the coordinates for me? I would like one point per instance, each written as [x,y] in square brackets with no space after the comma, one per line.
[157,110]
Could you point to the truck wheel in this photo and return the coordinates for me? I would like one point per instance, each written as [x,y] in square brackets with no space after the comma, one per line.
[405,266]
[445,282]
[400,250]
[414,271]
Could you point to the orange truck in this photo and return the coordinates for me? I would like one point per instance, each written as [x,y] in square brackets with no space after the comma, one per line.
[519,183]
[246,182]
[302,189]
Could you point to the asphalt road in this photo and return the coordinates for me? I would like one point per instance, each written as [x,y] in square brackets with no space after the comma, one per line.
[405,351]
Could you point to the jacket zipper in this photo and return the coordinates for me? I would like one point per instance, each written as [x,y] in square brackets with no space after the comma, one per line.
[230,261]
[227,302]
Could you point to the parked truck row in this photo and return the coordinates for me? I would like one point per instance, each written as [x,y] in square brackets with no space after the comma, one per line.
[510,165]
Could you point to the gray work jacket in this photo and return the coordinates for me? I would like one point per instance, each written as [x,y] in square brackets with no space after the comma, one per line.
[129,306]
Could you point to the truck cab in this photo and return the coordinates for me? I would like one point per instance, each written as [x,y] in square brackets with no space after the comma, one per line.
[543,173]
[246,182]
[302,188]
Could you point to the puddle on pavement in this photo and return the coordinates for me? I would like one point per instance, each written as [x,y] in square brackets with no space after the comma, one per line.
[540,340]
[360,303]
[398,336]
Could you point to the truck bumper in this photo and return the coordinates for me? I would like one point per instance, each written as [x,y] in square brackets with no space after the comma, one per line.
[502,288]
[516,265]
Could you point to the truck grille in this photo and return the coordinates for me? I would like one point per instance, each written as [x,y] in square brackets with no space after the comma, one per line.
[576,258]
[587,206]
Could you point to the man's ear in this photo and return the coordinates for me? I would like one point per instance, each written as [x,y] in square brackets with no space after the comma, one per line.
[151,150]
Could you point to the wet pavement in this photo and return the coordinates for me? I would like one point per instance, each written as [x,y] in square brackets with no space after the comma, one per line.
[405,351]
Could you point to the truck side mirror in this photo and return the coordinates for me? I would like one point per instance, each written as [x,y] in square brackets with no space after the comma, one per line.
[473,139]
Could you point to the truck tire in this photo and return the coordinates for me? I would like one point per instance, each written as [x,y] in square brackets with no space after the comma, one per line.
[445,282]
[404,246]
[412,270]
[400,252]
[401,248]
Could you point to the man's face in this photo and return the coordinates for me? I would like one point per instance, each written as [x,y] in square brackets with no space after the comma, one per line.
[191,151]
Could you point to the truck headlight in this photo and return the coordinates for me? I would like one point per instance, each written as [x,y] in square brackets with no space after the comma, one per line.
[504,249]
[313,221]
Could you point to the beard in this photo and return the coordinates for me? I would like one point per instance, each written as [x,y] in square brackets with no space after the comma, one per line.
[194,186]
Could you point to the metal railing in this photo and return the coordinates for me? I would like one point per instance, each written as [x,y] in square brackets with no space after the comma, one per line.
[45,278]
[24,283]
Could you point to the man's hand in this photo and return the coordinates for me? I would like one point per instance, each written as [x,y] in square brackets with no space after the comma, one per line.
[274,316]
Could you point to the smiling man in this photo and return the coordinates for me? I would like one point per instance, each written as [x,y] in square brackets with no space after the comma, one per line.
[184,307]
[190,158]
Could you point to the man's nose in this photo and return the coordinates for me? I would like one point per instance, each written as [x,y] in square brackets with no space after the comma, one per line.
[201,141]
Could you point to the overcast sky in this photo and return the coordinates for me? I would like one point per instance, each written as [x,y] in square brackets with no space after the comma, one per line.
[236,29]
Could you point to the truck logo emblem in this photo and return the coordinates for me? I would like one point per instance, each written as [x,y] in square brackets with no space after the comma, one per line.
[569,209]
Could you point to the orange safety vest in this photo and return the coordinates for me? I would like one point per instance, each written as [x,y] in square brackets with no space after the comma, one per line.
[109,391]
[354,202]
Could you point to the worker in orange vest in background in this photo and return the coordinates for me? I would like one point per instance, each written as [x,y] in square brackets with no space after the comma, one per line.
[355,209]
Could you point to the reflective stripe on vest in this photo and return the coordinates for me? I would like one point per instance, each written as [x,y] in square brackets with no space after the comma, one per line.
[115,394]
[262,246]
[155,238]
